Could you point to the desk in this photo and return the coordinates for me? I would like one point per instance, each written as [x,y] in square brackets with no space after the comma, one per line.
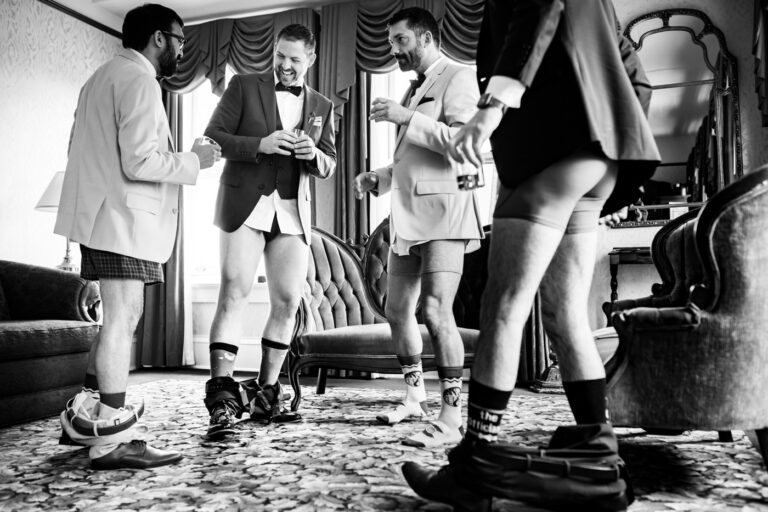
[625,256]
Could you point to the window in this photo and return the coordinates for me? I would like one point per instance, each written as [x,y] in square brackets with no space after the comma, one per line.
[201,237]
[393,85]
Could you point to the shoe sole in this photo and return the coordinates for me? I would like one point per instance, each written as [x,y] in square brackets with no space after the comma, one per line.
[136,465]
[219,434]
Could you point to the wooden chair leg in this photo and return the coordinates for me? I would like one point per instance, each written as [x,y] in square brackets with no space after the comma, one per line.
[322,377]
[293,378]
[762,444]
[725,436]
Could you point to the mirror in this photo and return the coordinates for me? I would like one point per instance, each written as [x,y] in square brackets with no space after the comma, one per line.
[694,112]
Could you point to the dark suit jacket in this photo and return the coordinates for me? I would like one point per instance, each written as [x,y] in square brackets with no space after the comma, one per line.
[585,86]
[246,113]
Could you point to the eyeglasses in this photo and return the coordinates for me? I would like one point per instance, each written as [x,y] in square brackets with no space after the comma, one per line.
[182,40]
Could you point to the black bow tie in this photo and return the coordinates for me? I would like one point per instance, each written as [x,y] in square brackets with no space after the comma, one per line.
[293,89]
[415,84]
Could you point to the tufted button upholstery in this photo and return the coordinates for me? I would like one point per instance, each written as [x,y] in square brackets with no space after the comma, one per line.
[342,324]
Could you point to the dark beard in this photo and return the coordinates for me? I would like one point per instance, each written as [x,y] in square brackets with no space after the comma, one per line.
[168,61]
[409,61]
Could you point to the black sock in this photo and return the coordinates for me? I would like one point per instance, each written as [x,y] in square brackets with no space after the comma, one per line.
[91,382]
[587,400]
[113,400]
[485,409]
[271,351]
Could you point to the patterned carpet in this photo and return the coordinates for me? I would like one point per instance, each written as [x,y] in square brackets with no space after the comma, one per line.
[339,459]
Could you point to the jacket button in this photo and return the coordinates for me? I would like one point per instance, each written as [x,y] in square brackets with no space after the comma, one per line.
[175,211]
[261,187]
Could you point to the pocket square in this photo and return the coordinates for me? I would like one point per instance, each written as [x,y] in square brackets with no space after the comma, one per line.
[425,100]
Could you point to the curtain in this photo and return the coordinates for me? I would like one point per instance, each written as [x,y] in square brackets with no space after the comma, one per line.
[161,332]
[351,215]
[760,51]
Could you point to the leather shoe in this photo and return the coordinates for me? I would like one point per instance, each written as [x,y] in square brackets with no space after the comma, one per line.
[443,486]
[135,455]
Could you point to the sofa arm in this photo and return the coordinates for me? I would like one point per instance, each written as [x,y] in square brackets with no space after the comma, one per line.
[651,301]
[40,293]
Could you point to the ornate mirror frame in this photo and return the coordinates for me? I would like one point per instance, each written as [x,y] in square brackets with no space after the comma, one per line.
[720,161]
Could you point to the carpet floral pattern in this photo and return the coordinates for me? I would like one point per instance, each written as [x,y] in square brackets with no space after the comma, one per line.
[338,458]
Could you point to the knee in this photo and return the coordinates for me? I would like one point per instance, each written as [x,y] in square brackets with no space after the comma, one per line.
[396,312]
[232,293]
[438,314]
[284,306]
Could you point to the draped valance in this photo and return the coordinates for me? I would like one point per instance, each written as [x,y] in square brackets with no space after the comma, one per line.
[352,36]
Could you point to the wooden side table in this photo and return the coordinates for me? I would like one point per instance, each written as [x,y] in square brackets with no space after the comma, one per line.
[625,256]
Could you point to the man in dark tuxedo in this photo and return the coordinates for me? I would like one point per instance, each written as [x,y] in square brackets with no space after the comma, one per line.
[563,105]
[275,132]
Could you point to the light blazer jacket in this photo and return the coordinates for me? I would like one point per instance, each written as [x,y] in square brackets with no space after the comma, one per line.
[121,186]
[426,201]
[246,113]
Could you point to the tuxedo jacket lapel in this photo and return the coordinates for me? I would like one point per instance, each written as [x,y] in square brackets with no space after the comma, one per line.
[268,102]
[418,94]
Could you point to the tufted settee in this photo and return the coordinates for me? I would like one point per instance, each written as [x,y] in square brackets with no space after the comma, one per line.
[48,321]
[342,324]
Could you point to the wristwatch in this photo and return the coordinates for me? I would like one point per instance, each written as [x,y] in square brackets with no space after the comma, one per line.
[487,100]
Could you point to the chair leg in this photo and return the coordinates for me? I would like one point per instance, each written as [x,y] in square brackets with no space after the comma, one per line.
[322,377]
[762,442]
[293,378]
[725,436]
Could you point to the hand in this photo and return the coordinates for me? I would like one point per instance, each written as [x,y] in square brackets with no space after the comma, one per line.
[207,151]
[383,109]
[468,142]
[612,219]
[304,148]
[365,182]
[279,142]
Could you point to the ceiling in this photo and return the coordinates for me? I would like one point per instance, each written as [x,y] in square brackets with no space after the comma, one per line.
[111,12]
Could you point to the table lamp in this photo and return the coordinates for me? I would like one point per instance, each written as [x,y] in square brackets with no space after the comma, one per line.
[49,202]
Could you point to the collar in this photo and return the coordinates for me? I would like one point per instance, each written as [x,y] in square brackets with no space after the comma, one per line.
[432,66]
[143,60]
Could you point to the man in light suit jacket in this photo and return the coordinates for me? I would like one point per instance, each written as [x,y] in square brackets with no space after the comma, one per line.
[120,201]
[432,222]
[276,133]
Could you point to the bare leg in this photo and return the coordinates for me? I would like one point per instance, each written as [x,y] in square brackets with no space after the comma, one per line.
[123,302]
[240,252]
[286,265]
[564,294]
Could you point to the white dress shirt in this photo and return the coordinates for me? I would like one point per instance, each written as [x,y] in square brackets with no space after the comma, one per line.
[290,108]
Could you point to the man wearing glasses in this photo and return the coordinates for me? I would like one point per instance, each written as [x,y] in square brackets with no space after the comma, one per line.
[120,202]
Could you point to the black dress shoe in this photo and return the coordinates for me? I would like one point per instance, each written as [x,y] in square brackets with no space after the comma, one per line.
[135,455]
[222,421]
[443,486]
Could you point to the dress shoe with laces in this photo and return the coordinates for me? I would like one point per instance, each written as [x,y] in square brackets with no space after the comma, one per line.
[135,455]
[222,422]
[442,486]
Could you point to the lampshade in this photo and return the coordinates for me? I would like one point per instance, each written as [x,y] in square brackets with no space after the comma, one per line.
[49,201]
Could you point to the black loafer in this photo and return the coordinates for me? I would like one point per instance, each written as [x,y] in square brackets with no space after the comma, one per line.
[135,455]
[442,486]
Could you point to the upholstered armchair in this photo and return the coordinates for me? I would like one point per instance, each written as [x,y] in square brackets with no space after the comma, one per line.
[675,258]
[701,363]
[48,321]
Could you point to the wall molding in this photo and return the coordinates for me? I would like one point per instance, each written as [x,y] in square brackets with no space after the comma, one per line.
[82,17]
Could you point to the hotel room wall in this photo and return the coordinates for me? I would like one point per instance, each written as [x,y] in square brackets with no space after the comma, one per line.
[45,57]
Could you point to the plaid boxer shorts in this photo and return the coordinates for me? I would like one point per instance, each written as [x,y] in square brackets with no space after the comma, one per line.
[95,264]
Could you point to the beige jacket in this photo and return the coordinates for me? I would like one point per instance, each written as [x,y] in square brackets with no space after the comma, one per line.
[426,201]
[121,186]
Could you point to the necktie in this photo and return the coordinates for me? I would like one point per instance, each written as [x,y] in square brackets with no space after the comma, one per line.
[293,89]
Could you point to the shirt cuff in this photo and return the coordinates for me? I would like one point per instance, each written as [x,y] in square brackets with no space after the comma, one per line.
[507,90]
